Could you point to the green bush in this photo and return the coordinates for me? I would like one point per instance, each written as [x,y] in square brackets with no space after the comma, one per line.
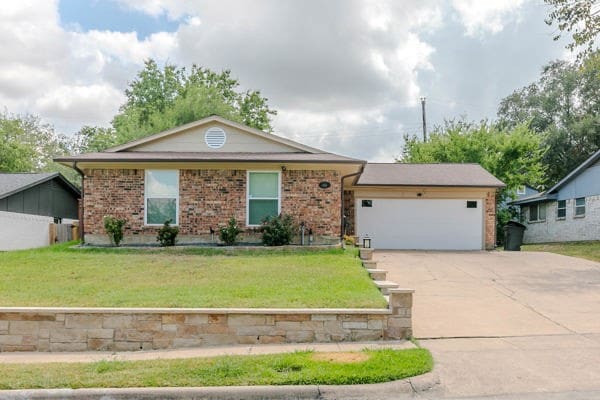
[114,229]
[229,233]
[167,234]
[277,231]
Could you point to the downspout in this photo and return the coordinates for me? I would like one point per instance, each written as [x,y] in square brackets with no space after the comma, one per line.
[80,172]
[362,167]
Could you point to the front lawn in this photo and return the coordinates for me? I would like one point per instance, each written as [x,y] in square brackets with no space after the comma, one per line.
[300,368]
[63,276]
[587,250]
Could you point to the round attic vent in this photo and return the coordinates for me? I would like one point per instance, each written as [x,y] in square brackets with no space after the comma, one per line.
[215,137]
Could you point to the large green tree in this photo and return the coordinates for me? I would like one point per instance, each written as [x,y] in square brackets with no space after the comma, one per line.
[581,18]
[162,98]
[512,155]
[563,107]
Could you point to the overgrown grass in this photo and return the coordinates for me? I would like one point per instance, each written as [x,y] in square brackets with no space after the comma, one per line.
[300,368]
[190,277]
[587,250]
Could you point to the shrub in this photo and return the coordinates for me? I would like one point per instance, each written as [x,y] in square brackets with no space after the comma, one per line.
[114,229]
[277,231]
[229,233]
[167,234]
[349,240]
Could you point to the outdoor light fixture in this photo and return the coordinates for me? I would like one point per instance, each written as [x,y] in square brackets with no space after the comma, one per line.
[367,242]
[283,168]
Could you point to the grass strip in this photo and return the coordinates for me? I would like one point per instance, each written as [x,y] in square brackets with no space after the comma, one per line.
[299,368]
[61,276]
[587,250]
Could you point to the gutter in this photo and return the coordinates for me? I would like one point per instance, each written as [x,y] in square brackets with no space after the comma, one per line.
[81,226]
[362,168]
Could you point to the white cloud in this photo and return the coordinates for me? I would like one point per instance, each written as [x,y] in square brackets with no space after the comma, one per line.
[486,16]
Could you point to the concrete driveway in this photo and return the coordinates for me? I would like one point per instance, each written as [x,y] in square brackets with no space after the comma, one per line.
[504,322]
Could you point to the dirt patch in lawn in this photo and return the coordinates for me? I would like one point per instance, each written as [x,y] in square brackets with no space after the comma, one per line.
[341,357]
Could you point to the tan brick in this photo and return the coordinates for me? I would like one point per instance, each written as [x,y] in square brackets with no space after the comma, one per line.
[3,327]
[23,327]
[242,320]
[260,330]
[266,339]
[169,327]
[215,328]
[173,318]
[180,342]
[217,318]
[117,321]
[83,321]
[300,336]
[196,319]
[148,317]
[323,317]
[44,333]
[188,331]
[354,325]
[60,317]
[322,337]
[402,300]
[399,322]
[158,344]
[78,346]
[366,334]
[147,325]
[98,344]
[375,324]
[132,335]
[355,317]
[100,333]
[334,327]
[218,340]
[29,340]
[43,345]
[289,325]
[22,347]
[38,317]
[128,346]
[68,335]
[10,339]
[292,317]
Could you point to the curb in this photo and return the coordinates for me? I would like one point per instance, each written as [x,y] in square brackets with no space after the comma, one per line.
[391,390]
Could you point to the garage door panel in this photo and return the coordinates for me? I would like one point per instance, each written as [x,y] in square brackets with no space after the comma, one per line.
[436,224]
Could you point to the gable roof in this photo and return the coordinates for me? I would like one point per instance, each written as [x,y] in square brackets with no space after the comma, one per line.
[215,118]
[11,183]
[573,174]
[399,174]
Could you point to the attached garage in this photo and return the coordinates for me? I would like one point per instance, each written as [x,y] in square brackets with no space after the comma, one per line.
[425,206]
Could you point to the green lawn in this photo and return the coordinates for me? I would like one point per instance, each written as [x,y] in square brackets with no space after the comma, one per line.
[587,250]
[190,277]
[300,368]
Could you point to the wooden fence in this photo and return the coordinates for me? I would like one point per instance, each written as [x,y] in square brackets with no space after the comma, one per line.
[59,233]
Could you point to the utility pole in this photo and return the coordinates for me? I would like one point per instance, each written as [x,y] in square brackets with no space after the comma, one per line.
[424,121]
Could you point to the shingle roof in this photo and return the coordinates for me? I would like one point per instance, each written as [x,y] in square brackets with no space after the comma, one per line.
[398,174]
[16,182]
[164,156]
[573,174]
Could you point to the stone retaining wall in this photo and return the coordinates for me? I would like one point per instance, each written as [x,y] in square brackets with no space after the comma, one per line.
[106,329]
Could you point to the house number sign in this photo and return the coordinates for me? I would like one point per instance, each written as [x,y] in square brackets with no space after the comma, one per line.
[324,185]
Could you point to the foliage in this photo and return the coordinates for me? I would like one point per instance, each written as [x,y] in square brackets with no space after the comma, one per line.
[162,98]
[167,234]
[349,240]
[229,233]
[563,107]
[277,231]
[114,229]
[28,145]
[185,277]
[93,138]
[298,368]
[581,17]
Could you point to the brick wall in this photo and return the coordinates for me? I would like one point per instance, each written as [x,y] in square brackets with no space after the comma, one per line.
[490,220]
[55,329]
[349,211]
[319,208]
[570,228]
[208,198]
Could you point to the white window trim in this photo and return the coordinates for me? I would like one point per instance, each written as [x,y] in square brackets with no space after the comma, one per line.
[261,198]
[575,208]
[558,208]
[176,222]
[538,214]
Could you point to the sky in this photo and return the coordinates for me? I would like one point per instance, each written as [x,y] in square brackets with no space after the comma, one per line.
[345,76]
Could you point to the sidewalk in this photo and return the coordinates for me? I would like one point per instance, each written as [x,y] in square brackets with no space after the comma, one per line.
[40,357]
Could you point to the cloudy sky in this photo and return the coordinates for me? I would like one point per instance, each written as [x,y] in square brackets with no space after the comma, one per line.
[345,76]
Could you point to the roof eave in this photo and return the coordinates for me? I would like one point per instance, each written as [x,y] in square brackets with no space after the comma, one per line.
[573,174]
[426,184]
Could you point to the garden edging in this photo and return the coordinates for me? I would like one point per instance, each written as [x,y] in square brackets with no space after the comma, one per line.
[127,329]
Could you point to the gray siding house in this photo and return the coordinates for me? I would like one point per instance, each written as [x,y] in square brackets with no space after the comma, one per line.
[568,211]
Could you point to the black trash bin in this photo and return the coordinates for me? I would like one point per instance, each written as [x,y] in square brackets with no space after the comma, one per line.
[513,236]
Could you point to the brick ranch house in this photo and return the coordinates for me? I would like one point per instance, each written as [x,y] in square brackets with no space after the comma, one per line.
[203,173]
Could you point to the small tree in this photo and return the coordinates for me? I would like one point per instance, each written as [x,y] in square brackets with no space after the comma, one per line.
[167,234]
[277,231]
[114,229]
[229,233]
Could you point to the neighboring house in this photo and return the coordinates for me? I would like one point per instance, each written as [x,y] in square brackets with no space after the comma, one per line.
[568,211]
[201,174]
[29,202]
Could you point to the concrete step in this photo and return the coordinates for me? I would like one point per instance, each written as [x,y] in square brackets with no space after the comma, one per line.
[384,286]
[377,274]
[369,264]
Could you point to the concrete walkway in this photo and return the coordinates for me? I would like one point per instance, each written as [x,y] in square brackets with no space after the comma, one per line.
[504,322]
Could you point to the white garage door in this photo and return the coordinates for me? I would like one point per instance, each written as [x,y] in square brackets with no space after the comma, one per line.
[421,224]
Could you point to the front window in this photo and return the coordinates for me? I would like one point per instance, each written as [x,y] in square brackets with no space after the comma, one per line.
[263,196]
[580,207]
[537,212]
[521,190]
[561,209]
[162,197]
